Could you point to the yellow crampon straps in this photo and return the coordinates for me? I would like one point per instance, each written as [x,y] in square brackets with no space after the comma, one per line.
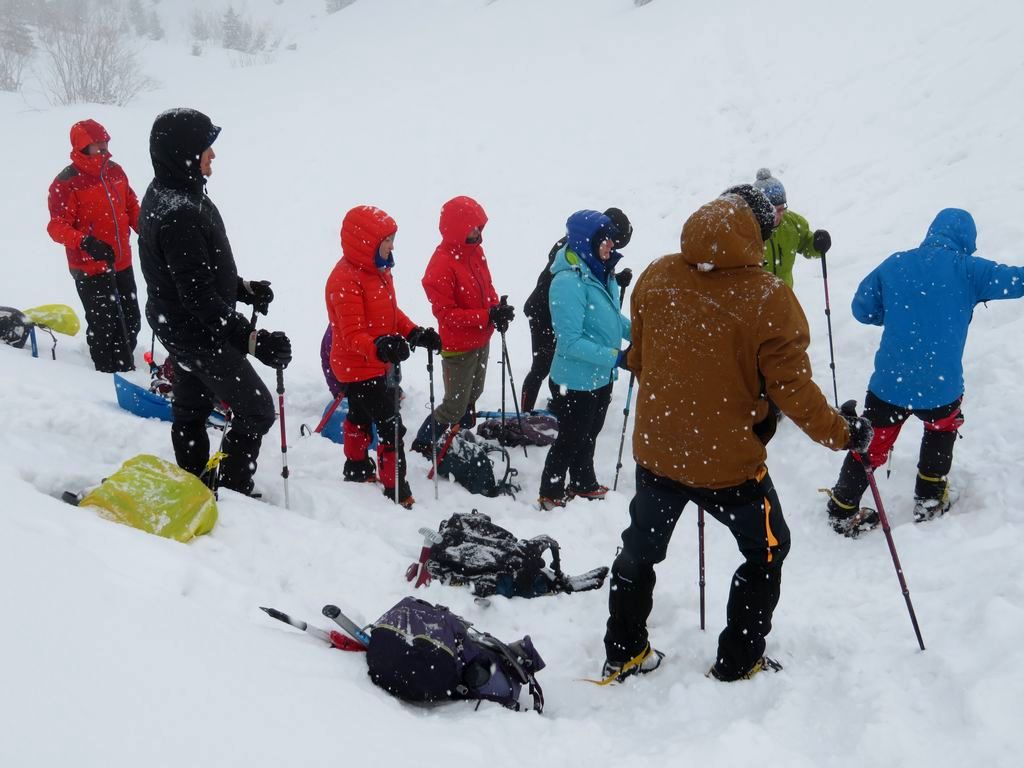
[837,502]
[214,461]
[636,661]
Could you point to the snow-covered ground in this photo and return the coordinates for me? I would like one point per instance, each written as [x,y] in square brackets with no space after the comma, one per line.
[123,649]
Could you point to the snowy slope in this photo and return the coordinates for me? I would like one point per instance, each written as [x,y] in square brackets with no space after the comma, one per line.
[123,649]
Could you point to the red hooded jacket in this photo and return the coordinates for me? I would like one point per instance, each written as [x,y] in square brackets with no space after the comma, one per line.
[361,303]
[457,280]
[92,196]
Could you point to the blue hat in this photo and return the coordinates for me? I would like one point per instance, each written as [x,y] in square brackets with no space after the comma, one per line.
[771,186]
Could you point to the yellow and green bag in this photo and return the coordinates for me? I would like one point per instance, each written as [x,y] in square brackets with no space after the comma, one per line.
[155,496]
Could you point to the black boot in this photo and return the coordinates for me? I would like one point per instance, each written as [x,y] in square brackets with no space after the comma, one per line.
[239,465]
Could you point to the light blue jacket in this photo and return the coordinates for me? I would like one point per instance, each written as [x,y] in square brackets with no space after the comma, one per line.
[588,324]
[925,298]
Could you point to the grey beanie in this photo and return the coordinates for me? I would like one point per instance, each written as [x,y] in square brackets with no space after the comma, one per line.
[771,186]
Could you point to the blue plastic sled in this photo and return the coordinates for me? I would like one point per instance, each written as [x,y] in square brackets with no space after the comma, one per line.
[149,405]
[333,430]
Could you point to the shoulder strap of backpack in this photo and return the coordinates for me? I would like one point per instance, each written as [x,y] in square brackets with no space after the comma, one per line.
[506,485]
[515,665]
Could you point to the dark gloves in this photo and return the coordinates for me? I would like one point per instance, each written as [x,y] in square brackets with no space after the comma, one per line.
[861,430]
[501,316]
[392,348]
[622,362]
[624,277]
[258,294]
[821,240]
[273,348]
[427,338]
[97,249]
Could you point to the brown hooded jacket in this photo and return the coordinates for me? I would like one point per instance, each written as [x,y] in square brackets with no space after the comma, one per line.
[712,335]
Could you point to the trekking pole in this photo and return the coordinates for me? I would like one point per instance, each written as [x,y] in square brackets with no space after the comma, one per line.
[892,547]
[507,366]
[433,421]
[398,404]
[700,560]
[828,318]
[328,413]
[622,437]
[120,316]
[284,439]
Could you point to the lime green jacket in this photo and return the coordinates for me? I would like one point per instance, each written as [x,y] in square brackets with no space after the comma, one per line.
[791,237]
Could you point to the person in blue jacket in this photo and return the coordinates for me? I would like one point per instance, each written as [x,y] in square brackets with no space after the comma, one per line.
[924,299]
[589,329]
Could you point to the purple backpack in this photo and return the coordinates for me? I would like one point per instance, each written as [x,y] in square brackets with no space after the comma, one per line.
[423,652]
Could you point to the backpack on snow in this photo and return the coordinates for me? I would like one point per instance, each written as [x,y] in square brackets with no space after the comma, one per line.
[528,429]
[467,460]
[422,653]
[491,560]
[15,327]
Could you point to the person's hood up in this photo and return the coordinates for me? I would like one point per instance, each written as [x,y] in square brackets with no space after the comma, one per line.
[458,218]
[584,230]
[84,133]
[363,229]
[178,139]
[722,234]
[953,228]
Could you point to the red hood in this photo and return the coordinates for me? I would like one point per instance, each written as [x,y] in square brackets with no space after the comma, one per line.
[84,133]
[458,217]
[363,229]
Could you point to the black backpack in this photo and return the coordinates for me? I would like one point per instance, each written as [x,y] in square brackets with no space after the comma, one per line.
[467,460]
[422,652]
[15,327]
[491,560]
[528,429]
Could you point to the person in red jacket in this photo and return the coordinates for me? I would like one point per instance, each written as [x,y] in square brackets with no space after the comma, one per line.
[92,207]
[371,336]
[458,285]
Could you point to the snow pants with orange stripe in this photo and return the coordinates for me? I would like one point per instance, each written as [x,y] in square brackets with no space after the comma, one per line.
[753,515]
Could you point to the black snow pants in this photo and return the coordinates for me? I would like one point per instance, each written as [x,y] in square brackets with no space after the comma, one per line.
[106,300]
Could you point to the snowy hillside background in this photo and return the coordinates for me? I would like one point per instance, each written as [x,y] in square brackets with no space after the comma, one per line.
[122,649]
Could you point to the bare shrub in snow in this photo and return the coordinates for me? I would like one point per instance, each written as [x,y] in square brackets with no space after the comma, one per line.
[16,49]
[333,6]
[89,61]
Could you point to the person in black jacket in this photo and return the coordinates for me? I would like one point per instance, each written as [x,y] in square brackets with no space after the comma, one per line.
[193,287]
[536,308]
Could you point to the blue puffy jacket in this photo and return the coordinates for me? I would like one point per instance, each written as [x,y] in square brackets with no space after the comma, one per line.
[585,312]
[925,300]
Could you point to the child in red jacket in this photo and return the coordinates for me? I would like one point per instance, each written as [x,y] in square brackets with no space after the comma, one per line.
[371,337]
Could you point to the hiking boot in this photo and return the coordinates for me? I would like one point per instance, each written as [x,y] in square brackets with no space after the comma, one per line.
[646,661]
[547,504]
[404,494]
[847,519]
[595,494]
[364,471]
[765,663]
[421,443]
[927,509]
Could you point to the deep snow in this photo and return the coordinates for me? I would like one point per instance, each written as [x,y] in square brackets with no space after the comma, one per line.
[124,649]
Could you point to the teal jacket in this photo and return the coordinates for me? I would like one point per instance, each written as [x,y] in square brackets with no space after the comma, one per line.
[791,237]
[589,326]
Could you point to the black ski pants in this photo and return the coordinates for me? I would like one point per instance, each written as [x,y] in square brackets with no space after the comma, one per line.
[941,427]
[201,379]
[752,513]
[542,339]
[373,402]
[108,299]
[580,419]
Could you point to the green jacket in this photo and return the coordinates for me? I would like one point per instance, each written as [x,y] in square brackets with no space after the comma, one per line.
[791,237]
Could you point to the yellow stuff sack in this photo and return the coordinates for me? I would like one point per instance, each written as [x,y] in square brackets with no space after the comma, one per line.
[155,496]
[57,317]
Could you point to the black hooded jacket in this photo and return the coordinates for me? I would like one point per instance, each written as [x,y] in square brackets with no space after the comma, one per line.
[184,252]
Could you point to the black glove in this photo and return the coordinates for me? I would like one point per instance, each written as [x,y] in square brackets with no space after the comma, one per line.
[97,249]
[821,240]
[259,295]
[624,277]
[861,430]
[273,348]
[427,338]
[501,315]
[623,361]
[392,348]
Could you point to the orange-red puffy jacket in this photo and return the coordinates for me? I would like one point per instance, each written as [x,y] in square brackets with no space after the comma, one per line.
[92,196]
[457,280]
[361,303]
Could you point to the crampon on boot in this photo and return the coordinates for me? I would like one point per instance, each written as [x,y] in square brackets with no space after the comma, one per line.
[646,661]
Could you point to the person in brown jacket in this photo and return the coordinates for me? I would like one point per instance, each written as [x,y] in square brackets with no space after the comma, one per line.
[714,337]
